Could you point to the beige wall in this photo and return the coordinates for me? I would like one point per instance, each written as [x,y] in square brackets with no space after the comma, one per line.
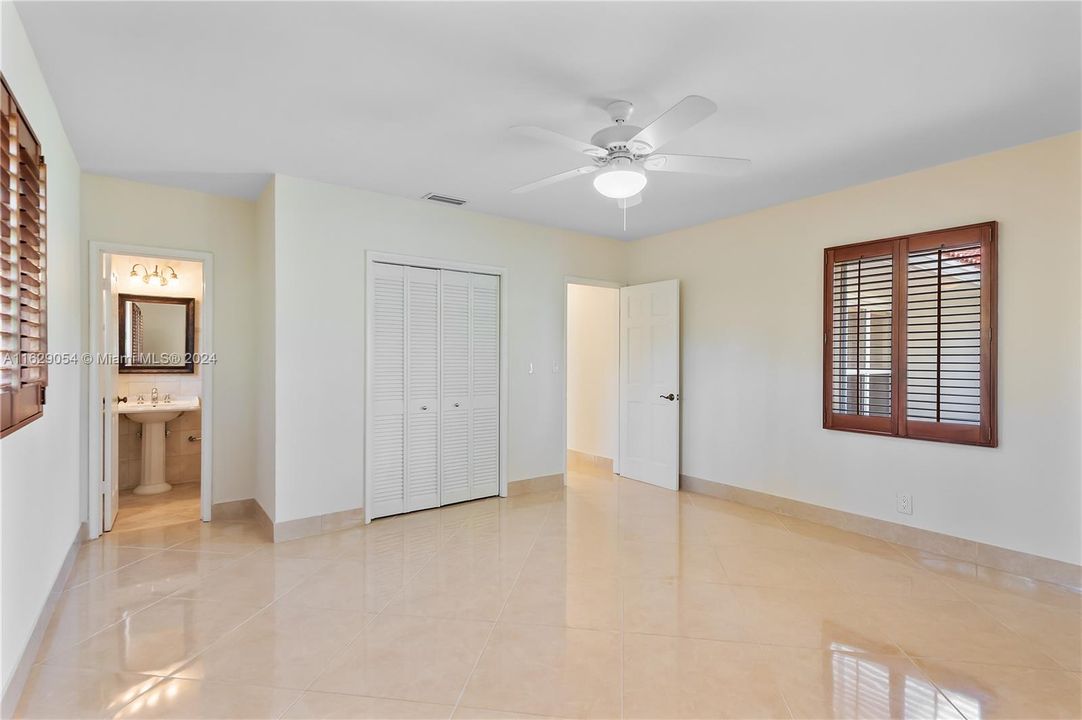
[120,211]
[321,235]
[593,361]
[43,465]
[752,351]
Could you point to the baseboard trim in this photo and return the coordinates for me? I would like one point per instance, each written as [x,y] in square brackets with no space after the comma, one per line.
[247,509]
[600,463]
[14,689]
[991,556]
[317,524]
[541,483]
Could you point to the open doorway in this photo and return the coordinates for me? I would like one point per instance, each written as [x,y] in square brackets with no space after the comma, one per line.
[593,378]
[150,390]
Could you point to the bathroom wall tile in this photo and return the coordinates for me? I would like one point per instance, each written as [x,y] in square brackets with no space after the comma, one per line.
[186,421]
[130,446]
[181,468]
[176,443]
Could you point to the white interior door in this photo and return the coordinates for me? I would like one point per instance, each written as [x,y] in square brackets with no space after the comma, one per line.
[110,421]
[484,385]
[422,388]
[650,383]
[455,386]
[387,389]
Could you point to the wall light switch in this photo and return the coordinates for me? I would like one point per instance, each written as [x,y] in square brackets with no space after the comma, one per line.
[555,366]
[530,370]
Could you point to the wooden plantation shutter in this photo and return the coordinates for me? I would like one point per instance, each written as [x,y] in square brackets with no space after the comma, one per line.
[23,332]
[950,320]
[909,336]
[860,336]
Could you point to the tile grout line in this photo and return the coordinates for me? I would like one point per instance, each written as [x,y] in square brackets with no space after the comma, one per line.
[375,617]
[503,606]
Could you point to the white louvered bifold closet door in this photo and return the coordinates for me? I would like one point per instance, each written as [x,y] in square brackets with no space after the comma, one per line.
[484,385]
[435,388]
[422,388]
[455,372]
[387,426]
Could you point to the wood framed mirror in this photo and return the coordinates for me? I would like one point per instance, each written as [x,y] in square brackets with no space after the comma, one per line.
[157,334]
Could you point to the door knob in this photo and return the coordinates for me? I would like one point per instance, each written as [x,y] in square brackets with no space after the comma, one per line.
[424,407]
[670,397]
[456,404]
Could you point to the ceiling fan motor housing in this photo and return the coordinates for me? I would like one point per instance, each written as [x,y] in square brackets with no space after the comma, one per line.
[615,136]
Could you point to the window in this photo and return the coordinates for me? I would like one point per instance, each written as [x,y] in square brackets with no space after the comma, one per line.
[909,336]
[23,371]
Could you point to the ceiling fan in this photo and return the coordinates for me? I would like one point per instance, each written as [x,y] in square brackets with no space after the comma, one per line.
[621,153]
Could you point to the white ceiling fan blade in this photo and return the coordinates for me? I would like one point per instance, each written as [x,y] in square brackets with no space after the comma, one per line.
[585,170]
[632,201]
[698,164]
[690,111]
[554,137]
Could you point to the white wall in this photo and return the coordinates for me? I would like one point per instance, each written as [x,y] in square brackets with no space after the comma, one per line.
[264,363]
[42,466]
[120,211]
[593,363]
[321,235]
[752,351]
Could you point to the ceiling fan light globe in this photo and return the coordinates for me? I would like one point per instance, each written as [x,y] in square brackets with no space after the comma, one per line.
[619,184]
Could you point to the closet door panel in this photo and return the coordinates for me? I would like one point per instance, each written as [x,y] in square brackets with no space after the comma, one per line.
[388,388]
[422,388]
[455,385]
[484,385]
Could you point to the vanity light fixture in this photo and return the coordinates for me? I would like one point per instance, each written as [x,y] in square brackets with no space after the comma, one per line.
[166,276]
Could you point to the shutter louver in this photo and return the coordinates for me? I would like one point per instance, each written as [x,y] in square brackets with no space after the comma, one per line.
[863,315]
[23,311]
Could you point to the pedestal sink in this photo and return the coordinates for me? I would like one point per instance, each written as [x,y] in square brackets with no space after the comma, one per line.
[153,417]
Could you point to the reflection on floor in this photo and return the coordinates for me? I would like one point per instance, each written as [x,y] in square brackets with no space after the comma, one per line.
[138,512]
[610,598]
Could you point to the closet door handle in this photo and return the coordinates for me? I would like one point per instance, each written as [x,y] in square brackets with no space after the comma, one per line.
[456,404]
[670,397]
[424,407]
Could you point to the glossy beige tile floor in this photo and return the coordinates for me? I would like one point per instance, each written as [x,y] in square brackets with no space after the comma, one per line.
[179,505]
[609,599]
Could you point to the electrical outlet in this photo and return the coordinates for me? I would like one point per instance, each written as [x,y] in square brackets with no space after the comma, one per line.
[905,503]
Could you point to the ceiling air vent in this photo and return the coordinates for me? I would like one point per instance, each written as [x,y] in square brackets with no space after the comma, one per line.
[445,199]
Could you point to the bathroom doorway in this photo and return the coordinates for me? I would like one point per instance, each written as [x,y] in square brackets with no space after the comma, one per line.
[592,391]
[150,409]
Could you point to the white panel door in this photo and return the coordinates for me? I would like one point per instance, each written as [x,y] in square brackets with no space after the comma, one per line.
[455,386]
[387,426]
[110,419]
[422,388]
[650,383]
[484,385]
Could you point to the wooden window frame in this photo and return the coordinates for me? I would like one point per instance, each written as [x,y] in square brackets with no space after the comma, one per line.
[24,401]
[897,424]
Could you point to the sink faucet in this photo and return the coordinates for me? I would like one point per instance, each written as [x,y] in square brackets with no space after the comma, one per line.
[154,395]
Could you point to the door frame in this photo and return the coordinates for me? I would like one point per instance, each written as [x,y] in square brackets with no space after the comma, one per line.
[593,282]
[205,344]
[371,258]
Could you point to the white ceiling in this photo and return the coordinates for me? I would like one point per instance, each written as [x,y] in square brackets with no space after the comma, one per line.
[412,98]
